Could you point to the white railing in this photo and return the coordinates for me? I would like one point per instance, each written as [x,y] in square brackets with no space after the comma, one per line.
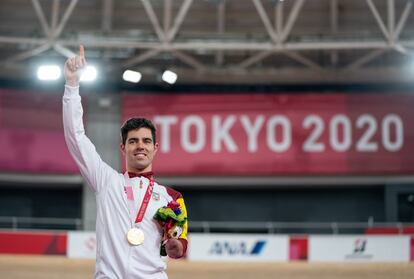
[295,227]
[15,223]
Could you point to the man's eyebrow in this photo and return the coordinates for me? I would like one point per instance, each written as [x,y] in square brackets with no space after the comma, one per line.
[132,139]
[144,138]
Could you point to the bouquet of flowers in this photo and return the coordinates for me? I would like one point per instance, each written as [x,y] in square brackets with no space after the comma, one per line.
[172,220]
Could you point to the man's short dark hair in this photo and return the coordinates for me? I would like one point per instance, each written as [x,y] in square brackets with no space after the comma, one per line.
[137,123]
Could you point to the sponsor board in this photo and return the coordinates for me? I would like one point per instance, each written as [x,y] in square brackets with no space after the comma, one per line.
[359,248]
[237,247]
[81,245]
[33,242]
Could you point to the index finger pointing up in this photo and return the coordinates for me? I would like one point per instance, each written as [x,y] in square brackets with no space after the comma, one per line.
[81,52]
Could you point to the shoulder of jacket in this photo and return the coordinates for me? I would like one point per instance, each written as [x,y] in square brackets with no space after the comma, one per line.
[174,194]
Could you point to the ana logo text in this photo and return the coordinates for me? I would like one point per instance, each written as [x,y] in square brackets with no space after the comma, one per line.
[237,248]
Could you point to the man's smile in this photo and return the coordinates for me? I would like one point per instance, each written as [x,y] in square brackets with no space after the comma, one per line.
[140,155]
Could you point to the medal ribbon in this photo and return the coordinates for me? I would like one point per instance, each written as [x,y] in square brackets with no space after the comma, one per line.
[145,201]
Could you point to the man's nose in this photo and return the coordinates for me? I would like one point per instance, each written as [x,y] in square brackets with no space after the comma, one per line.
[140,145]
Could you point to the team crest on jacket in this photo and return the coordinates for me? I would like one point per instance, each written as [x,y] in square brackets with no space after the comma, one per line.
[155,196]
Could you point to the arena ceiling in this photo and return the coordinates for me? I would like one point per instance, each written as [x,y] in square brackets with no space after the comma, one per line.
[215,41]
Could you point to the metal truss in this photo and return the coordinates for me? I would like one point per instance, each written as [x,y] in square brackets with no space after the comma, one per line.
[280,52]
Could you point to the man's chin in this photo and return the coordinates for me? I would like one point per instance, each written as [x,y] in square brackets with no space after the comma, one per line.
[141,167]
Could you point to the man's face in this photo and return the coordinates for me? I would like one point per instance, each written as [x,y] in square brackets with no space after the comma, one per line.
[139,150]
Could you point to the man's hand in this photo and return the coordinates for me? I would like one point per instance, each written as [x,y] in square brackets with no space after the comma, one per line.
[174,248]
[73,68]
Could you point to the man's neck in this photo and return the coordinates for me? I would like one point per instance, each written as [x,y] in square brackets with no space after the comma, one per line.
[139,171]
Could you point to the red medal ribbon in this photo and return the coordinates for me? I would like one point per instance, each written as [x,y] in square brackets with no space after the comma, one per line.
[145,201]
[130,195]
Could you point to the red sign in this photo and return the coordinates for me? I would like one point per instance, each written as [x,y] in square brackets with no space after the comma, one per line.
[40,243]
[31,133]
[279,134]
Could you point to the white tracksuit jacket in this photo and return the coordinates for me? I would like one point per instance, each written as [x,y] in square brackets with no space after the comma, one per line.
[115,258]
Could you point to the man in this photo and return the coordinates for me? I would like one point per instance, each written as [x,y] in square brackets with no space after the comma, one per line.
[129,240]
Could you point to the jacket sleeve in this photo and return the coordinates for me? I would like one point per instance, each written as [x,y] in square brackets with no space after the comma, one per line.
[183,237]
[92,168]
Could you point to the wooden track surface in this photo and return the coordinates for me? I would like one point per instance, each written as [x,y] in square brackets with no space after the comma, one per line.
[54,267]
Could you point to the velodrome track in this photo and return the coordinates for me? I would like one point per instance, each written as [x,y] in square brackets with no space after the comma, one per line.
[60,267]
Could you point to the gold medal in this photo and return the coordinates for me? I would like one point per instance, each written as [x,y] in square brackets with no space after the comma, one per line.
[135,236]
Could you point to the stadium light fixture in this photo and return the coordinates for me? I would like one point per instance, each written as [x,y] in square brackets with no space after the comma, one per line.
[89,74]
[169,77]
[132,76]
[49,72]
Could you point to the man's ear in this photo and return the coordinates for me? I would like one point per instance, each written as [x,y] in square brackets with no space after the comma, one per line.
[122,147]
[156,147]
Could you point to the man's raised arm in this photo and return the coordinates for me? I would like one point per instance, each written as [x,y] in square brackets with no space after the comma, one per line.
[90,164]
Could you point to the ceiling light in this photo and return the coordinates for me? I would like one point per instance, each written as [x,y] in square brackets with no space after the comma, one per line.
[169,77]
[49,72]
[89,74]
[132,76]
